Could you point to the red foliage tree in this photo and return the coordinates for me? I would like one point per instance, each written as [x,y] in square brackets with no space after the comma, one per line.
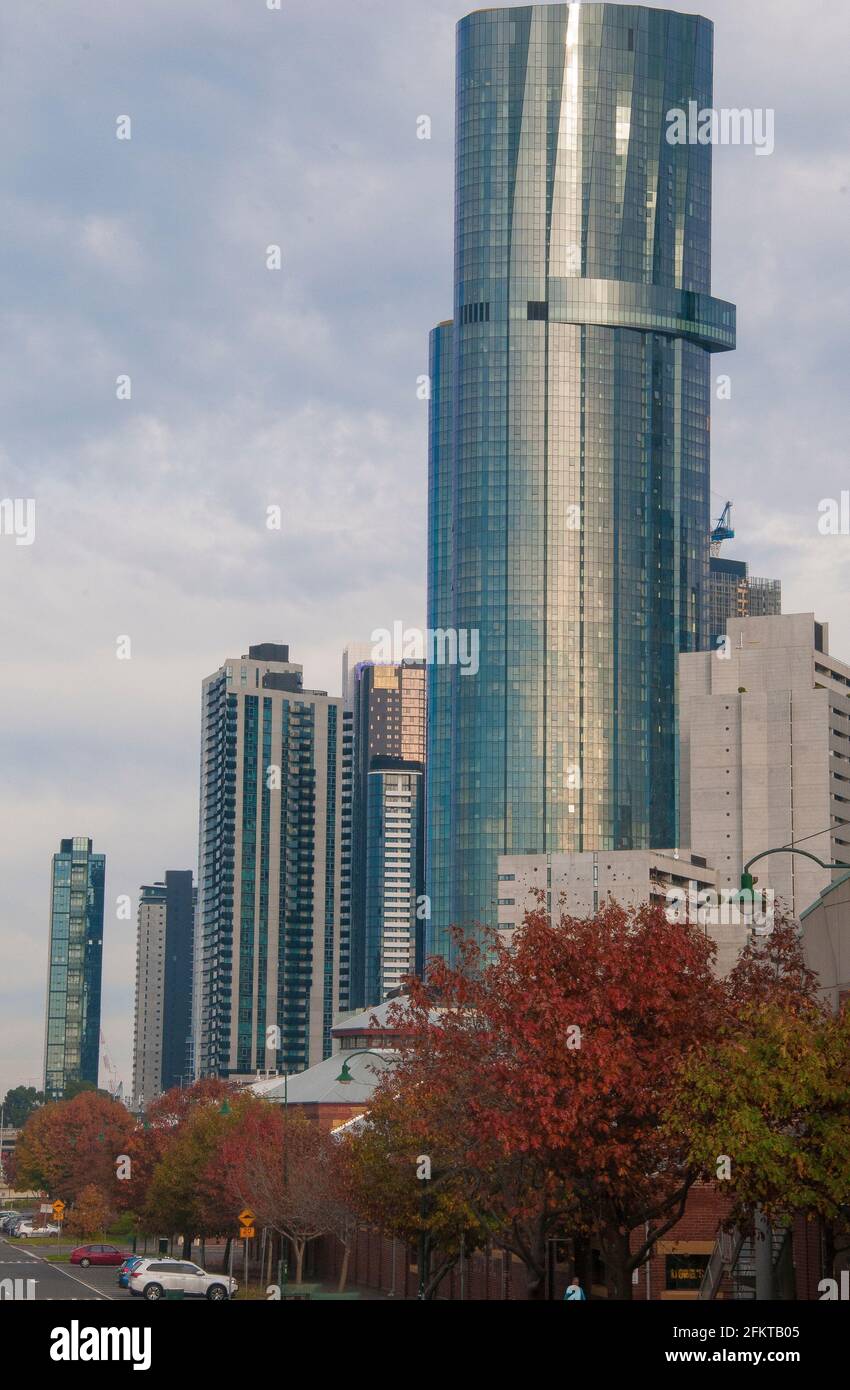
[552,1064]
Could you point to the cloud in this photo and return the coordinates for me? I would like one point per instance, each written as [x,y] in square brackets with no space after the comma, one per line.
[252,387]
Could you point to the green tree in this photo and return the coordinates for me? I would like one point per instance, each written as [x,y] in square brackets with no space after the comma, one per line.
[18,1104]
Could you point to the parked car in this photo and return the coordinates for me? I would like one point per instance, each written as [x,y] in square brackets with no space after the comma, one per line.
[132,1262]
[86,1255]
[25,1229]
[8,1219]
[156,1278]
[124,1270]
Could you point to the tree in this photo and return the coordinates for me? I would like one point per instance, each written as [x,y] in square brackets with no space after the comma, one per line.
[90,1214]
[548,1067]
[67,1145]
[18,1104]
[152,1135]
[189,1191]
[76,1087]
[283,1167]
[766,1107]
[383,1182]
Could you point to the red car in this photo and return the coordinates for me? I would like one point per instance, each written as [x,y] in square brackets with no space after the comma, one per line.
[86,1255]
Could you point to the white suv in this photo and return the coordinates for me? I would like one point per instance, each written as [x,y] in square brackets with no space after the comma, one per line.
[155,1278]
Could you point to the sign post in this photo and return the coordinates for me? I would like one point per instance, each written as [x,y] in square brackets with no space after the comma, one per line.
[246,1233]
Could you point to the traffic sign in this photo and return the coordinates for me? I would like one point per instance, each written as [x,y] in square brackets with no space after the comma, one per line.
[58,1207]
[46,1209]
[246,1232]
[246,1217]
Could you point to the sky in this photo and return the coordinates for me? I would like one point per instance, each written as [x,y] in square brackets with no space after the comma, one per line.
[250,388]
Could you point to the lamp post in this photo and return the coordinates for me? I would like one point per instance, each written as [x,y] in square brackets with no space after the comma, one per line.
[747,880]
[345,1078]
[345,1075]
[763,1236]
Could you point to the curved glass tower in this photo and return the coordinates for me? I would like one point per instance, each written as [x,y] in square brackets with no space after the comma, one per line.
[569,440]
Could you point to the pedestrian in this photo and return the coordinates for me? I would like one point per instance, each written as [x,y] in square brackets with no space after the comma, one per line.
[574,1291]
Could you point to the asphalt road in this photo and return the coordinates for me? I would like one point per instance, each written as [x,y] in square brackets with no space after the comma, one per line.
[58,1282]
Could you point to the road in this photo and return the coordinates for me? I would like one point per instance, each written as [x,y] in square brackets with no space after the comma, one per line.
[56,1282]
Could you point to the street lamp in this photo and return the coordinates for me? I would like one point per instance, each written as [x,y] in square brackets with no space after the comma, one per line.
[763,1244]
[747,881]
[345,1075]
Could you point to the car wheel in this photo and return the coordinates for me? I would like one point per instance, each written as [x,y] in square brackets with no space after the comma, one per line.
[216,1293]
[153,1292]
[84,1264]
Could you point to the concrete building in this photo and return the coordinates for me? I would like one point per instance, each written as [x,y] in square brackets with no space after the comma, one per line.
[163,985]
[388,833]
[272,891]
[825,925]
[765,754]
[580,884]
[75,959]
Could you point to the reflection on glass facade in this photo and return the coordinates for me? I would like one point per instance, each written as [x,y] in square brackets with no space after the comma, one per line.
[387,858]
[569,448]
[74,967]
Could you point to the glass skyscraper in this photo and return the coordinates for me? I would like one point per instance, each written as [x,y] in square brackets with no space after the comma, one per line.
[569,440]
[75,959]
[273,875]
[387,840]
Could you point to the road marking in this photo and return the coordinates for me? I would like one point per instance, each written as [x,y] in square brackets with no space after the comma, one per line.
[41,1260]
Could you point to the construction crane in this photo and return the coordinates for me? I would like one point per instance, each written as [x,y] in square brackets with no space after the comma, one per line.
[722,530]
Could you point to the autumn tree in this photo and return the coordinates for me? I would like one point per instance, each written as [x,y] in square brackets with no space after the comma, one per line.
[90,1214]
[284,1170]
[160,1125]
[189,1191]
[549,1066]
[765,1108]
[67,1145]
[385,1180]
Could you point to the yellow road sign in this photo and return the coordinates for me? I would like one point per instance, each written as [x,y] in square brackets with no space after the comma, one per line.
[246,1217]
[246,1232]
[59,1209]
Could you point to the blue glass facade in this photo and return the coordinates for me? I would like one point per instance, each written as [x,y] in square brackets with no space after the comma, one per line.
[75,959]
[569,440]
[272,894]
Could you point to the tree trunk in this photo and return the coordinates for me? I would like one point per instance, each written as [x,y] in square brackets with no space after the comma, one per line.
[343,1273]
[618,1279]
[299,1246]
[535,1265]
[187,1247]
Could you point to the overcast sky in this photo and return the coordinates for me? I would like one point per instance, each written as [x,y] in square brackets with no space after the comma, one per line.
[251,388]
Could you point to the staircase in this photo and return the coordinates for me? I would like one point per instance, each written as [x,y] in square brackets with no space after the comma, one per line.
[734,1255]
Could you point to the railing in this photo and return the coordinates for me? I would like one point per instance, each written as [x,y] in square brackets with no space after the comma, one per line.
[723,1259]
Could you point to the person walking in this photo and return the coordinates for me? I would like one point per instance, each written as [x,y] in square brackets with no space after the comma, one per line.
[574,1291]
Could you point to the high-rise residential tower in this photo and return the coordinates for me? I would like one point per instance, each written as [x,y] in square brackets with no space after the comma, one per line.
[735,593]
[163,1014]
[387,837]
[272,877]
[569,439]
[72,1041]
